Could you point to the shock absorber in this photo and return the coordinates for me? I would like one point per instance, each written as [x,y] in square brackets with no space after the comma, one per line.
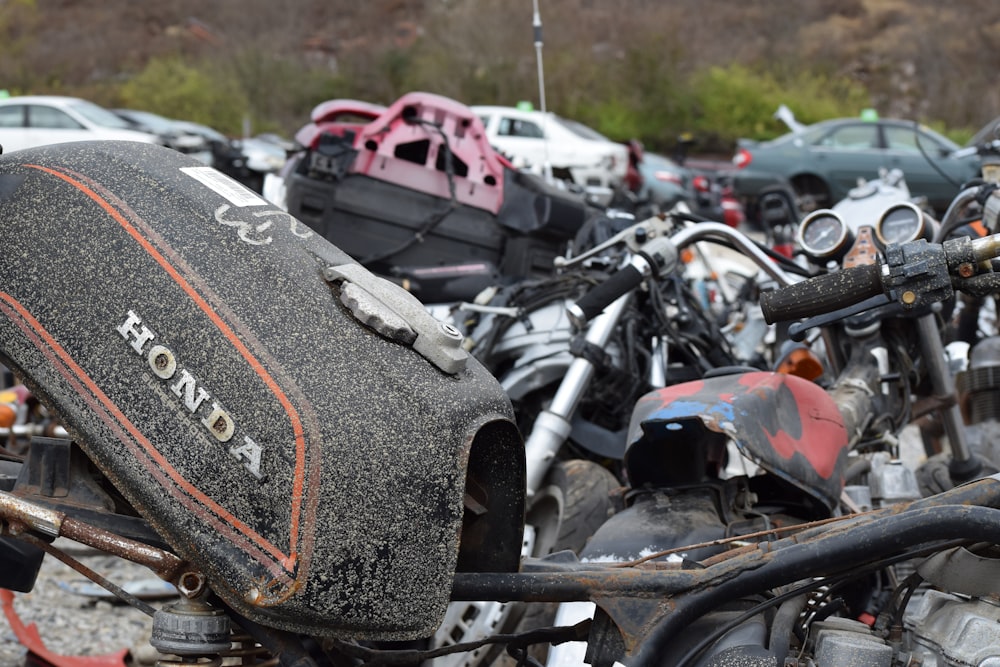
[191,628]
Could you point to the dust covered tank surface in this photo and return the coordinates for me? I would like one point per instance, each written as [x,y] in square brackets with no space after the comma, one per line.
[301,431]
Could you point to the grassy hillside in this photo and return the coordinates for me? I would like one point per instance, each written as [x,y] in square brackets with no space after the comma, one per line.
[640,68]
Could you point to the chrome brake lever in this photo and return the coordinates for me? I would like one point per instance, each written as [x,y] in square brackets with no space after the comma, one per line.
[634,237]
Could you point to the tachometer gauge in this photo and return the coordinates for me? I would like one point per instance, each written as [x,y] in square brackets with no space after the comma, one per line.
[823,234]
[901,223]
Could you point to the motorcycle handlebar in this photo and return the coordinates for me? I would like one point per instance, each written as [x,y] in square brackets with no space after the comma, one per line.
[822,294]
[917,273]
[621,282]
[658,254]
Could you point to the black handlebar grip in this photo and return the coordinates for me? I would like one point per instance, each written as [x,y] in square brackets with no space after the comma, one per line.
[590,305]
[822,294]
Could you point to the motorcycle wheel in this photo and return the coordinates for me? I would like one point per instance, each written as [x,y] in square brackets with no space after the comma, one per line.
[574,501]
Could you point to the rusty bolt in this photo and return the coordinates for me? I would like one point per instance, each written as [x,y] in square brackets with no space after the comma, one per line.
[966,270]
[191,584]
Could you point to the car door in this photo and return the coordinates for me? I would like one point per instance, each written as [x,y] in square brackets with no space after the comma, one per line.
[49,125]
[523,140]
[13,133]
[846,153]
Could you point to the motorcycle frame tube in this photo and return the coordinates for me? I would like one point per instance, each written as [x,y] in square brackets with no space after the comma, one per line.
[704,231]
[820,551]
[552,425]
[545,581]
[857,388]
[943,384]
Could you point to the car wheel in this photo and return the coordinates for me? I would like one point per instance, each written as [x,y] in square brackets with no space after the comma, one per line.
[812,193]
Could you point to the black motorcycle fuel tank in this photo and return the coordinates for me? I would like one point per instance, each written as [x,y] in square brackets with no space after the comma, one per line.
[302,432]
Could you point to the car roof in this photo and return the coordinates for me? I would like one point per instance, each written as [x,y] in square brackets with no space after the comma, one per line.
[40,99]
[833,122]
[509,110]
[829,122]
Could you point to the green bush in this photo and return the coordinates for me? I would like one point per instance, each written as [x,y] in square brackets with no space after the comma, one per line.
[176,89]
[737,101]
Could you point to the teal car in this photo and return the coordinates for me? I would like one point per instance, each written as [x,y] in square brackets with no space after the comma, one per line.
[822,162]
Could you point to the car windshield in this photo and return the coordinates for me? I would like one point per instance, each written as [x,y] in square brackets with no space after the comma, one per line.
[987,133]
[909,138]
[811,134]
[150,120]
[579,129]
[99,115]
[944,141]
[201,130]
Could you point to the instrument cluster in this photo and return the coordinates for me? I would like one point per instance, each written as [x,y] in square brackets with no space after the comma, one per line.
[825,235]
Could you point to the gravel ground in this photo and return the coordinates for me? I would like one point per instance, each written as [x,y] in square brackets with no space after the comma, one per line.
[74,624]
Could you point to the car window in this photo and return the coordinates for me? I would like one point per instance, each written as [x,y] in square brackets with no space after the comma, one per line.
[580,130]
[851,137]
[151,121]
[12,115]
[512,127]
[48,117]
[907,138]
[99,115]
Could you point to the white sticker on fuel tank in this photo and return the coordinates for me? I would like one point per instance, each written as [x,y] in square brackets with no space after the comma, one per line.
[234,191]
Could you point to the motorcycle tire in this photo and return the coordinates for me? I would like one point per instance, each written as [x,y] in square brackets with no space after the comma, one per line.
[574,501]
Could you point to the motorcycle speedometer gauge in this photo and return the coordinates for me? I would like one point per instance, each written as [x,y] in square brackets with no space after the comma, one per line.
[823,234]
[901,223]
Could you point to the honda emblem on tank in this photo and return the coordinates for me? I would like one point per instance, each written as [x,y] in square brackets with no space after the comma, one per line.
[195,398]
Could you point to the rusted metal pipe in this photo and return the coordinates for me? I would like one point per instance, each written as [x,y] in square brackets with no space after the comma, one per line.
[23,515]
[164,564]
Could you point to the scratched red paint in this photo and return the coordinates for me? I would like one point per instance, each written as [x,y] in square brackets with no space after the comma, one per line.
[823,438]
[823,432]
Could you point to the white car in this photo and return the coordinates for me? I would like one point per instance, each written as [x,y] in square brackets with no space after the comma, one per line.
[37,120]
[574,151]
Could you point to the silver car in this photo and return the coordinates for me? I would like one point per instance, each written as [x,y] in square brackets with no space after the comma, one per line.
[37,120]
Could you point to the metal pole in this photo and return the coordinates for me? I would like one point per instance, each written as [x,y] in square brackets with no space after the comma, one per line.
[537,25]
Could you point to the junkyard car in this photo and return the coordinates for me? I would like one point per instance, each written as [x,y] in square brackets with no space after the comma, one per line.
[575,152]
[37,120]
[825,160]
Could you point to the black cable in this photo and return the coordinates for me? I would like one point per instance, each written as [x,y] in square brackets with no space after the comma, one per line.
[901,597]
[527,297]
[932,163]
[435,219]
